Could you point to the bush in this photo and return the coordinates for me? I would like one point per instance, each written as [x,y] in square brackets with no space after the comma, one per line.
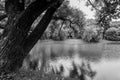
[92,34]
[112,34]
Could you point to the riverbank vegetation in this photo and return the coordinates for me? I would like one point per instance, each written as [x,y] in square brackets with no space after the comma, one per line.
[24,22]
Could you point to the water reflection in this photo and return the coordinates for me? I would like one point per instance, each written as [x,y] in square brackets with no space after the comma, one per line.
[108,66]
[107,69]
[104,58]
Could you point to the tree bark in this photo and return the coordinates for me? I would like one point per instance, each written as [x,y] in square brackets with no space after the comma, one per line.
[13,8]
[3,16]
[11,51]
[39,30]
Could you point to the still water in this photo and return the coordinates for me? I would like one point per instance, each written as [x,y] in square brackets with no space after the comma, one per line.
[106,63]
[104,57]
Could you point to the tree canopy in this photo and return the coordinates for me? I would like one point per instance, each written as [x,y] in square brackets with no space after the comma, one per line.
[17,40]
[106,10]
[67,21]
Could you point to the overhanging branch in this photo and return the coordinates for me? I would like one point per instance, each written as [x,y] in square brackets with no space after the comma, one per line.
[93,5]
[40,28]
[11,52]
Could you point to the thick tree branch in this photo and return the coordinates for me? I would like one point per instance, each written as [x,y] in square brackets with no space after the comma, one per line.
[65,19]
[93,6]
[11,53]
[14,6]
[40,28]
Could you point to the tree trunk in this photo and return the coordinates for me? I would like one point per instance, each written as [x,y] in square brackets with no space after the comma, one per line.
[39,30]
[11,51]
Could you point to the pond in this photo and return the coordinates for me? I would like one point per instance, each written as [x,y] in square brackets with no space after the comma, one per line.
[104,56]
[108,66]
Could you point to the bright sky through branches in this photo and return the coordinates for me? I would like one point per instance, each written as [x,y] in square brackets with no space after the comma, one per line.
[81,5]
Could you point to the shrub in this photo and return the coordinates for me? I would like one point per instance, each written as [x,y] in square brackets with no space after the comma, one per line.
[92,34]
[113,34]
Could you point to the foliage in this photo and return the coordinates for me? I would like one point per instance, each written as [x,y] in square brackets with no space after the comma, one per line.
[36,75]
[115,24]
[78,71]
[113,34]
[109,11]
[92,33]
[67,22]
[106,10]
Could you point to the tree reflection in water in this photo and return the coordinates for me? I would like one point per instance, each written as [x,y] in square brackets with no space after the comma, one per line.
[81,70]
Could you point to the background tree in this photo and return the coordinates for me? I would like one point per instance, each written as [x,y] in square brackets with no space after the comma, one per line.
[92,32]
[106,10]
[67,22]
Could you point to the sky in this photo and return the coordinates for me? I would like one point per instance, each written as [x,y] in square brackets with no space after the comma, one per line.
[87,11]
